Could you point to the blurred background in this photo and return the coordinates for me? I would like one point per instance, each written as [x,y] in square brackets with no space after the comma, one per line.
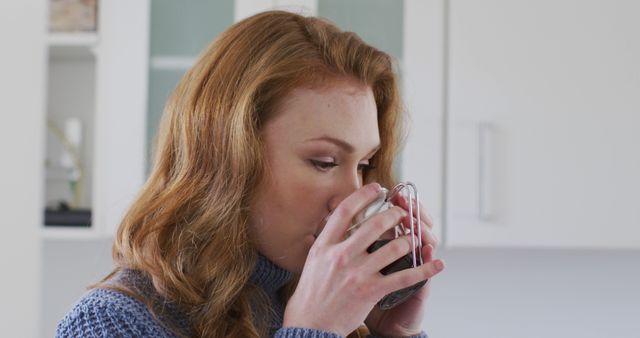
[524,117]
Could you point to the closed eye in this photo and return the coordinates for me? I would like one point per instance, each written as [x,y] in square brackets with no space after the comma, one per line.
[365,167]
[323,165]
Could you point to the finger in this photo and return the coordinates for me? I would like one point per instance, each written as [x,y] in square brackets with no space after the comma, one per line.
[429,243]
[405,278]
[424,215]
[343,215]
[389,253]
[373,228]
[426,233]
[401,201]
[428,237]
[427,253]
[407,220]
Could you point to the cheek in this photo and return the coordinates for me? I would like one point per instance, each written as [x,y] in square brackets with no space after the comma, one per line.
[285,220]
[293,188]
[289,208]
[300,202]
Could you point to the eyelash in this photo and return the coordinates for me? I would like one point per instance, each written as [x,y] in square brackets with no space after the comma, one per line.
[325,166]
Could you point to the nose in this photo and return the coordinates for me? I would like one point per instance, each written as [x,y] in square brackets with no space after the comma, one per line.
[344,186]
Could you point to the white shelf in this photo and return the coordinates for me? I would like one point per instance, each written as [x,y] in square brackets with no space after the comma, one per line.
[71,233]
[65,46]
[86,39]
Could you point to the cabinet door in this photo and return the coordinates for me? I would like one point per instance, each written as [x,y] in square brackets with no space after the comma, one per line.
[422,75]
[544,123]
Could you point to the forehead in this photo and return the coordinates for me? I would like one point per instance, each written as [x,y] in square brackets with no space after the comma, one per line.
[341,109]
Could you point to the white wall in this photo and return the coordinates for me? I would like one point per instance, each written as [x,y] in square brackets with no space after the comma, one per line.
[69,266]
[22,64]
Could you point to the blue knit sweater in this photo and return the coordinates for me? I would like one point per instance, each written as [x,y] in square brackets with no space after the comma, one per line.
[108,313]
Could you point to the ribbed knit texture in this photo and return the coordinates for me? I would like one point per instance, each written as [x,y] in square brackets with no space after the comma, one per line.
[108,313]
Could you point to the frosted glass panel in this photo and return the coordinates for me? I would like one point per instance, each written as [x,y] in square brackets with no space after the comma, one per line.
[186,27]
[180,30]
[378,22]
[161,84]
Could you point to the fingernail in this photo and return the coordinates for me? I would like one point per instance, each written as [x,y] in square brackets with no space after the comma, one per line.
[439,265]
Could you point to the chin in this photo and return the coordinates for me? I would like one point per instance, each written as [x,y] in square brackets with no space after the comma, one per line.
[297,269]
[293,264]
[301,258]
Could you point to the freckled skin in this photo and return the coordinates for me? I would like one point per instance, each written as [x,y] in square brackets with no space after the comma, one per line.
[296,195]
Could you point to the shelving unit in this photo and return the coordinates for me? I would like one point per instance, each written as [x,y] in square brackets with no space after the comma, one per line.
[103,89]
[71,107]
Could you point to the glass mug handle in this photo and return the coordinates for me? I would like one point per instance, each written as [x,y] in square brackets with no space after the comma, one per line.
[382,203]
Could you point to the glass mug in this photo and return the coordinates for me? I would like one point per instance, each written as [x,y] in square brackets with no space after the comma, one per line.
[412,259]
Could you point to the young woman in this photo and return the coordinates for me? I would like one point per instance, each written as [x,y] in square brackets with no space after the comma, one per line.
[271,144]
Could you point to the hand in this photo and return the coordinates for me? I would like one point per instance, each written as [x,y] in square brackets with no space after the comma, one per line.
[340,282]
[406,318]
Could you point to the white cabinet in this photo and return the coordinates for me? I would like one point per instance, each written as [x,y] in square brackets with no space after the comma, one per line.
[542,107]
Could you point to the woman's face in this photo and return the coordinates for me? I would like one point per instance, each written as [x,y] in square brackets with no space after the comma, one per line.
[318,144]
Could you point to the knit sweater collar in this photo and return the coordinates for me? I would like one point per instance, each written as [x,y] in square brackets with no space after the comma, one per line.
[266,274]
[269,276]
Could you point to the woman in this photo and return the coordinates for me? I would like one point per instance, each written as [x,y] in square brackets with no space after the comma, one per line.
[269,147]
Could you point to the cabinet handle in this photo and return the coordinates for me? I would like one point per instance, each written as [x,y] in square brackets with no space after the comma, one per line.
[485,171]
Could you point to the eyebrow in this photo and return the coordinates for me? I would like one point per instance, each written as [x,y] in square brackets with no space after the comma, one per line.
[340,143]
